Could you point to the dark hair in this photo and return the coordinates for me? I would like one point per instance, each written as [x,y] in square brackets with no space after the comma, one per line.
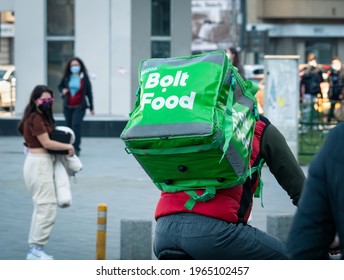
[311,56]
[236,58]
[31,106]
[336,58]
[83,69]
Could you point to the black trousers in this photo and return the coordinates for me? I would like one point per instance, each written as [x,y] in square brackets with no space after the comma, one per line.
[74,117]
[331,112]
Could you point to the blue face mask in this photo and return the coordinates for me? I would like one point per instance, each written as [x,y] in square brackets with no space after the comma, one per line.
[75,69]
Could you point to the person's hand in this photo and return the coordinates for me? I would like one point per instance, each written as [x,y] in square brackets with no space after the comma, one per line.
[65,91]
[92,112]
[71,151]
[335,246]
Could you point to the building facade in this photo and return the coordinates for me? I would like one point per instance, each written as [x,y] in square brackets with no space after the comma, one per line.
[297,27]
[6,38]
[111,36]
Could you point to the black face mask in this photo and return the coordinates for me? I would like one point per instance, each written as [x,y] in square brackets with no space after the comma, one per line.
[45,107]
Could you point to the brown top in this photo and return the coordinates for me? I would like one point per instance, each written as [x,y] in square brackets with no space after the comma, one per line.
[33,126]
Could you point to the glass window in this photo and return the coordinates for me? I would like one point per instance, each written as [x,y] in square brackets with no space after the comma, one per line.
[60,42]
[59,52]
[161,18]
[321,48]
[2,73]
[161,49]
[60,17]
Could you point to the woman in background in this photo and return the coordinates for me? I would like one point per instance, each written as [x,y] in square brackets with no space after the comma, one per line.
[234,56]
[76,91]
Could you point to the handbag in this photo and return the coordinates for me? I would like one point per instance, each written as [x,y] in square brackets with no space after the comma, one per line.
[60,136]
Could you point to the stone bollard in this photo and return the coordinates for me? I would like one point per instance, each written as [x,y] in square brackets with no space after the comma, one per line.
[136,240]
[279,225]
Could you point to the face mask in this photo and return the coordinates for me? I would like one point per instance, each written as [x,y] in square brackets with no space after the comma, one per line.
[44,107]
[336,66]
[313,63]
[75,69]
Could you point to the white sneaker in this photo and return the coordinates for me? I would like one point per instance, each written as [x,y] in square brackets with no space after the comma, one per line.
[37,253]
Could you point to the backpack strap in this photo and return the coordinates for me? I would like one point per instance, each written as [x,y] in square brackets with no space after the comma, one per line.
[137,101]
[259,190]
[208,194]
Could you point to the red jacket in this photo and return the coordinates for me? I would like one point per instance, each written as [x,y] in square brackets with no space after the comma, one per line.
[233,205]
[76,100]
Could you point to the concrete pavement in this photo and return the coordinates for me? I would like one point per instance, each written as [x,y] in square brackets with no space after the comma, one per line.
[109,176]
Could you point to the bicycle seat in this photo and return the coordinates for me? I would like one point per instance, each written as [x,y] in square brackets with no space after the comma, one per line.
[173,254]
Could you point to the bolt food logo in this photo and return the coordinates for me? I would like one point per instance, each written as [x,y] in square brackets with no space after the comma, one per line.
[240,120]
[170,102]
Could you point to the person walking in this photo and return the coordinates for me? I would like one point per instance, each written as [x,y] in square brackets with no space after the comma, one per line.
[336,80]
[318,225]
[76,91]
[312,78]
[310,88]
[35,126]
[217,228]
[234,56]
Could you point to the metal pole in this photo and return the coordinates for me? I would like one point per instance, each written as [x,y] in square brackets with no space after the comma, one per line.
[11,98]
[101,232]
[243,25]
[233,29]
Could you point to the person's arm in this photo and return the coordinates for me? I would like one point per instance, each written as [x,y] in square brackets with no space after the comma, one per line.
[282,162]
[38,128]
[63,87]
[49,144]
[89,93]
[321,73]
[341,84]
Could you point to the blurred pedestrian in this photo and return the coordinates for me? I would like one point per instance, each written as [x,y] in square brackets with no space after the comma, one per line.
[76,91]
[312,78]
[310,87]
[318,225]
[234,55]
[336,80]
[35,126]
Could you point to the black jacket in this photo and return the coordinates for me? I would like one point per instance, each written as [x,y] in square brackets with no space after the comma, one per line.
[282,162]
[336,80]
[320,213]
[312,79]
[87,95]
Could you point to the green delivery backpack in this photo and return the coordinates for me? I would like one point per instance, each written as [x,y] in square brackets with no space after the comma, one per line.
[192,124]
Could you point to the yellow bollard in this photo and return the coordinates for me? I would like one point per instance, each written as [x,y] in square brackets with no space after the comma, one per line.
[101,232]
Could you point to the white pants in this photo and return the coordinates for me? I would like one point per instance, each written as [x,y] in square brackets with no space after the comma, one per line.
[39,180]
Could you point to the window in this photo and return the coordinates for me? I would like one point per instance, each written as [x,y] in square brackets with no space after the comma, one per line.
[161,28]
[60,42]
[60,17]
[161,19]
[321,48]
[161,49]
[59,52]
